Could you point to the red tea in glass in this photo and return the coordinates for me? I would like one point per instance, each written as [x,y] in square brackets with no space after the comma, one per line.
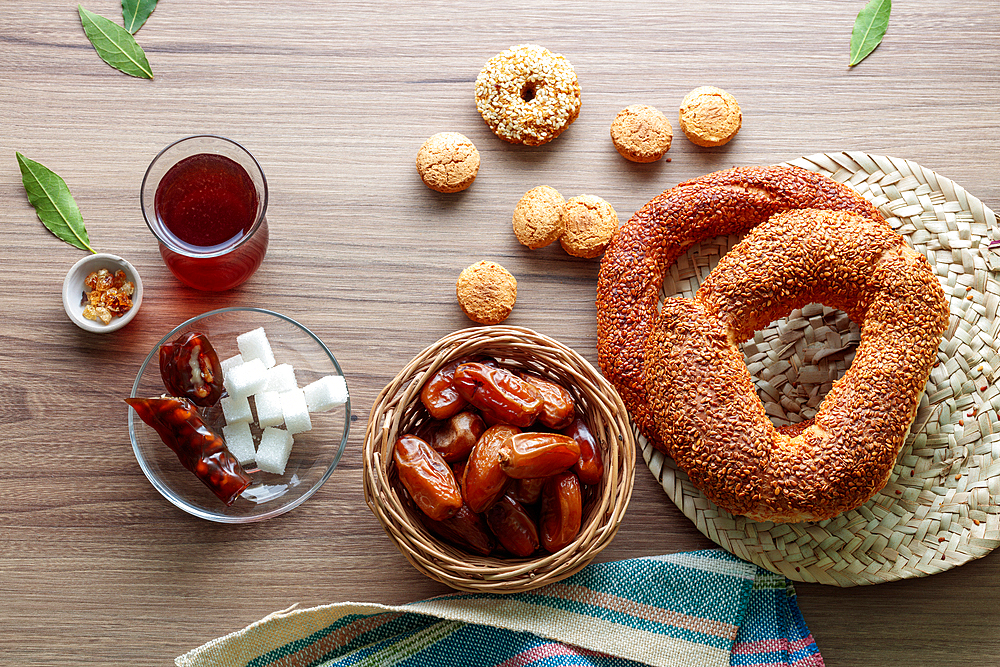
[204,198]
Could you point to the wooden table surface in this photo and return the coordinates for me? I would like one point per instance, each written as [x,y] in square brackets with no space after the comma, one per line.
[334,99]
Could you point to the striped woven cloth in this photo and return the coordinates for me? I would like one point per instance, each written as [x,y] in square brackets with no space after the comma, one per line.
[697,609]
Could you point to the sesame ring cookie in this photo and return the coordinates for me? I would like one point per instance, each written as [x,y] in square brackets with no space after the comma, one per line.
[528,95]
[448,162]
[486,292]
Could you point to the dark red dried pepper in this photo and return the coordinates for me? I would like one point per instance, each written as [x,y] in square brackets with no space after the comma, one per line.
[200,450]
[190,369]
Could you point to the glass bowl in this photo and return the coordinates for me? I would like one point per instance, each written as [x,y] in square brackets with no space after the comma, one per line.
[314,455]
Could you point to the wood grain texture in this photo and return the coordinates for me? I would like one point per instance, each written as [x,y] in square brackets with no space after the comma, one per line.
[334,99]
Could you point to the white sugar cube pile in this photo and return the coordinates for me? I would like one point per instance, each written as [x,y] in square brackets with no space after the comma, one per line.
[253,377]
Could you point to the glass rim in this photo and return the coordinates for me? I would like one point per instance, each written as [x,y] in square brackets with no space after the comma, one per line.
[169,243]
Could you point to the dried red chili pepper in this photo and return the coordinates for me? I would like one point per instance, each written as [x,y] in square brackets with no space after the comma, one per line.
[190,369]
[498,392]
[200,450]
[590,467]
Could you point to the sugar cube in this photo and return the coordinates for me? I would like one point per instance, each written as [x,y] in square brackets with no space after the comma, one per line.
[254,345]
[226,364]
[268,404]
[326,393]
[246,379]
[281,378]
[273,450]
[235,409]
[295,411]
[239,441]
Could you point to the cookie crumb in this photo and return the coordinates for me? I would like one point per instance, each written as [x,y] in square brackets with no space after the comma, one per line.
[448,162]
[537,221]
[710,116]
[641,133]
[486,292]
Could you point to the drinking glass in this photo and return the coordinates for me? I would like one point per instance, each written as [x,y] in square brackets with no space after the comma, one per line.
[182,204]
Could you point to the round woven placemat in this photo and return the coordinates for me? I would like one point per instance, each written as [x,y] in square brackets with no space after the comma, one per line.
[941,506]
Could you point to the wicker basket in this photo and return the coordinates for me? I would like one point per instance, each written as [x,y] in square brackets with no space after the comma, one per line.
[398,409]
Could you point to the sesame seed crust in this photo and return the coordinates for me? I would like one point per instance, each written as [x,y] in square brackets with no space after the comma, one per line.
[528,95]
[684,380]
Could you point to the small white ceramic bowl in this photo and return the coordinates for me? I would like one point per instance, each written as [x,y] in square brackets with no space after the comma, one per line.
[73,290]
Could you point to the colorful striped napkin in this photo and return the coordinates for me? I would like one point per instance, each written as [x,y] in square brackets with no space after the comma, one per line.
[697,609]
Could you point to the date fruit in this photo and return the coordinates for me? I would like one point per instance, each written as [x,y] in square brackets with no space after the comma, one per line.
[439,395]
[484,480]
[190,369]
[557,403]
[499,392]
[513,527]
[427,478]
[530,455]
[455,438]
[200,450]
[466,530]
[562,511]
[590,467]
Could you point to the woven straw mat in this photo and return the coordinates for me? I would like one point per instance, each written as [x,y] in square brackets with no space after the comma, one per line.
[941,506]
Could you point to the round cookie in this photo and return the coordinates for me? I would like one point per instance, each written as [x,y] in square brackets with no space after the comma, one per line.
[486,292]
[589,223]
[448,162]
[537,217]
[528,95]
[710,116]
[641,133]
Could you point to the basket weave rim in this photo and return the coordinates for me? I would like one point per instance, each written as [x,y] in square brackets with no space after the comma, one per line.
[936,513]
[449,565]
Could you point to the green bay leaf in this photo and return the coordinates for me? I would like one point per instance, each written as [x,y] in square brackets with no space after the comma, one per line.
[53,203]
[869,29]
[135,13]
[115,45]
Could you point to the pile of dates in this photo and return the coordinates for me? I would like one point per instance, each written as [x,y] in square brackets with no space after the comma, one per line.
[503,464]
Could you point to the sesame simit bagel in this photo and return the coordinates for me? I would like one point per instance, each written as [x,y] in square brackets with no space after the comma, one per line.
[726,202]
[702,398]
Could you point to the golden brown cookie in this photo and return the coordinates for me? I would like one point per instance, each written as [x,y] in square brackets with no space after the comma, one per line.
[448,162]
[486,292]
[589,222]
[537,219]
[710,116]
[528,95]
[641,133]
